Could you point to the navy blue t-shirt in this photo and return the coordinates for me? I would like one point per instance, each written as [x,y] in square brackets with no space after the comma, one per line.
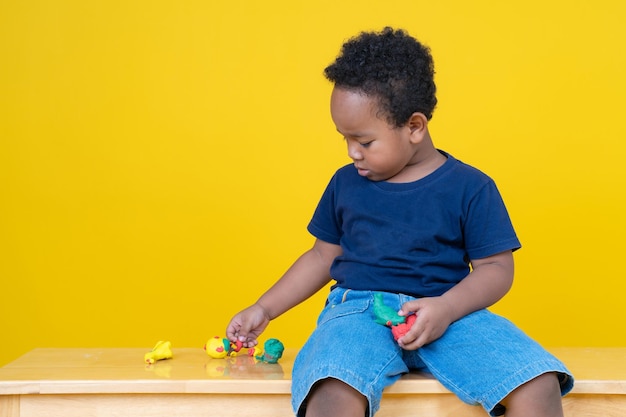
[413,238]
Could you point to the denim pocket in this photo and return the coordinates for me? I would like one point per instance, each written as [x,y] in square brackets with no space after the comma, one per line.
[342,302]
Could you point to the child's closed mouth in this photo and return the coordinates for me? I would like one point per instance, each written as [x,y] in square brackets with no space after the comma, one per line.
[362,171]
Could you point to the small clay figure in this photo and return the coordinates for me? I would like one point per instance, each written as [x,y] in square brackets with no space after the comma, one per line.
[273,351]
[162,350]
[389,317]
[218,348]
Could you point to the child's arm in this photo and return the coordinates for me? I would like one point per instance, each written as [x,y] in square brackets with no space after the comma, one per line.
[305,277]
[490,279]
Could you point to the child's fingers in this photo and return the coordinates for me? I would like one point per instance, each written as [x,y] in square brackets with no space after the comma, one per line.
[408,339]
[410,307]
[232,330]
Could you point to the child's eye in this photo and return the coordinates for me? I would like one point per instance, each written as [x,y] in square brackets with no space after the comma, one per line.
[366,144]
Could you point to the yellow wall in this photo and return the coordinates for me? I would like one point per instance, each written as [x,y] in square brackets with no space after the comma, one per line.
[159,160]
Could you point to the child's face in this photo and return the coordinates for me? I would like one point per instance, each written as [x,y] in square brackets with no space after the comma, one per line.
[380,151]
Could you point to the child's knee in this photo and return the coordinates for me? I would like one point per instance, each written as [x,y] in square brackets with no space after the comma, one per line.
[545,385]
[541,394]
[331,396]
[334,389]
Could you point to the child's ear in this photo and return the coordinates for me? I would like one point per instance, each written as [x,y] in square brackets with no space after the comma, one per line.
[418,126]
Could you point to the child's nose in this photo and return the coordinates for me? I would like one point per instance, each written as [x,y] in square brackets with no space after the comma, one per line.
[353,151]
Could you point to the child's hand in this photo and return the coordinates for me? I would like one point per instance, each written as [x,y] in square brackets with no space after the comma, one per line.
[247,325]
[434,315]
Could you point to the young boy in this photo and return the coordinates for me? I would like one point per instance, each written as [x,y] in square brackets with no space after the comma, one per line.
[424,231]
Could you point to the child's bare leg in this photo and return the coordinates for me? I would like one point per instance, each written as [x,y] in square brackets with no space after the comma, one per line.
[331,397]
[540,397]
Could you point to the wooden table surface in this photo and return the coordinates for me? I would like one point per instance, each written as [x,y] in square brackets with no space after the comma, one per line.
[122,370]
[118,370]
[79,382]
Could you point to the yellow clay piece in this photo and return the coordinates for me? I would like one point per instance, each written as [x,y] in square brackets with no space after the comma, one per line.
[254,352]
[217,347]
[162,350]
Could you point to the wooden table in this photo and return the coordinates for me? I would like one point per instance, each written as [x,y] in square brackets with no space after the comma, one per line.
[115,382]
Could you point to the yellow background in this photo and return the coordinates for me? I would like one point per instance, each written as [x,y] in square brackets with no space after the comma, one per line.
[159,161]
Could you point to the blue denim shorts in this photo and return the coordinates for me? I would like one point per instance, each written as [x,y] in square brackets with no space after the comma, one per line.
[481,357]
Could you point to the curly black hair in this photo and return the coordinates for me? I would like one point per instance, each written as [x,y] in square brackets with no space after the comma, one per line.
[391,66]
